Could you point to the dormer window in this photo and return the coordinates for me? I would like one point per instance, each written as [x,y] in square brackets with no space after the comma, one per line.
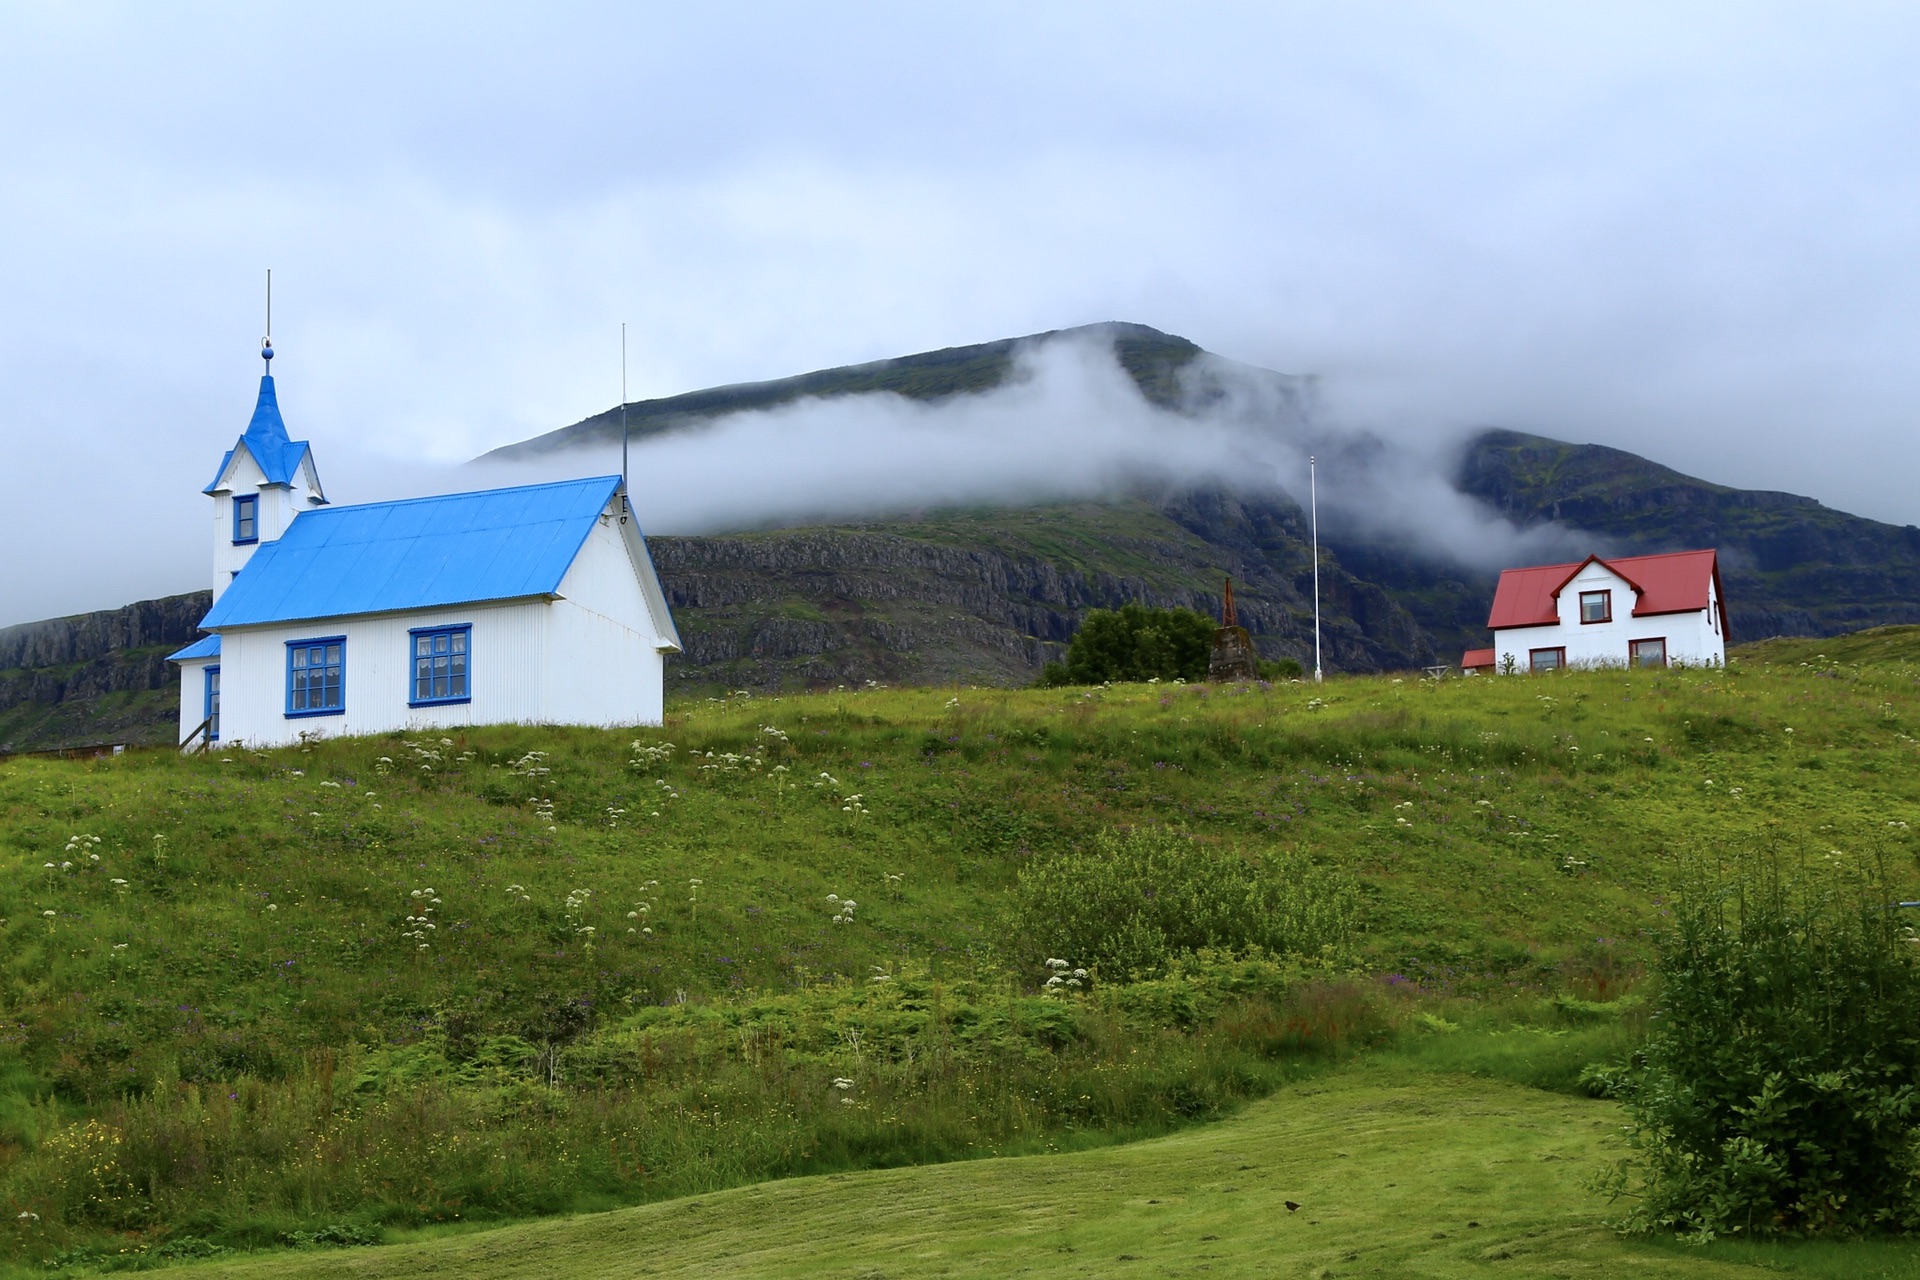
[246,519]
[1596,606]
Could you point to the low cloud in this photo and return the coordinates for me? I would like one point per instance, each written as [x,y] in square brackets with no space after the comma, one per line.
[1068,424]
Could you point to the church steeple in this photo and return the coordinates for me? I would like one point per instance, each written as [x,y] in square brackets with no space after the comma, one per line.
[264,481]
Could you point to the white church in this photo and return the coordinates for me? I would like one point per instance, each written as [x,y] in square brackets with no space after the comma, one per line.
[532,605]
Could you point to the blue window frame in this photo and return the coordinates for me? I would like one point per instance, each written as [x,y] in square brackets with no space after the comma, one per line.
[441,671]
[246,519]
[212,704]
[317,677]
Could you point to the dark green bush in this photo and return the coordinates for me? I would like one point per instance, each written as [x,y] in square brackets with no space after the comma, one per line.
[1135,642]
[1778,1092]
[1126,905]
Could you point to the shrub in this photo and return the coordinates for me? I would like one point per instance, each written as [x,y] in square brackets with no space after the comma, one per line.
[1135,642]
[1778,1089]
[1128,904]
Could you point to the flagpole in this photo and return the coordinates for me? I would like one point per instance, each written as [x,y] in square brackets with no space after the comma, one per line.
[1313,490]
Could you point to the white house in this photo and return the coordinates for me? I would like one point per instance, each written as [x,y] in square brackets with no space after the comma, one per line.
[1642,611]
[535,604]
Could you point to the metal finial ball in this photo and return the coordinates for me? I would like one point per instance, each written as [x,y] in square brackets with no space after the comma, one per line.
[266,349]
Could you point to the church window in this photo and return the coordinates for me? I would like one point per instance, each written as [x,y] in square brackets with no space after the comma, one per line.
[316,677]
[212,704]
[440,672]
[246,519]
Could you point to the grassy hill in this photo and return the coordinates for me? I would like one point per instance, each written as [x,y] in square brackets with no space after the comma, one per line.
[374,985]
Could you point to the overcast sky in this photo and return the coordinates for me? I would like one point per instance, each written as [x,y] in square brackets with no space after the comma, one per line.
[1688,231]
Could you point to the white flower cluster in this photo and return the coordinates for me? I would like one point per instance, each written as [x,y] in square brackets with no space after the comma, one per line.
[531,765]
[776,735]
[843,908]
[1062,978]
[543,810]
[420,917]
[647,757]
[614,814]
[638,915]
[727,762]
[849,803]
[519,889]
[575,907]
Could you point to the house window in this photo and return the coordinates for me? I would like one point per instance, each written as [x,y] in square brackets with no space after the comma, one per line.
[1649,653]
[212,704]
[246,519]
[440,665]
[316,677]
[1546,659]
[1596,606]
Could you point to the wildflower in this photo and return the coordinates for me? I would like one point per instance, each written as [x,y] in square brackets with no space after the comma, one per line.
[122,883]
[273,906]
[842,1083]
[29,1216]
[48,913]
[66,866]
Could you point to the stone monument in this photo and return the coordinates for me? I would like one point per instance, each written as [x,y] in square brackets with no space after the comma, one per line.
[1233,655]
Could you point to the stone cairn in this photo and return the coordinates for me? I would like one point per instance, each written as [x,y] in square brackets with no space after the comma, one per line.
[1233,655]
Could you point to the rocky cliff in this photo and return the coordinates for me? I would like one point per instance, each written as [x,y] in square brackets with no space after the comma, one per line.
[95,677]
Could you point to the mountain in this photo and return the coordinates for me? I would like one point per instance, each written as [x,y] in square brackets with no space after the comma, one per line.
[985,595]
[1153,359]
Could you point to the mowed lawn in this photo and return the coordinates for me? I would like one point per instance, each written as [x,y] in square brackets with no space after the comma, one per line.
[1396,1172]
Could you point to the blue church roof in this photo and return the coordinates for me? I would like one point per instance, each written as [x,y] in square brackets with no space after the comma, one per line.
[421,553]
[204,647]
[266,439]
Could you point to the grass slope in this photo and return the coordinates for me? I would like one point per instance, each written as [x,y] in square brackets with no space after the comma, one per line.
[1395,1173]
[224,1019]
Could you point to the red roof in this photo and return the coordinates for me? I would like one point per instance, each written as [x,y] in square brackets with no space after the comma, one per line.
[1673,583]
[1476,659]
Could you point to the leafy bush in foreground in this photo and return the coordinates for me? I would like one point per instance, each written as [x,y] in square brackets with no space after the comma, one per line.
[1779,1089]
[1129,904]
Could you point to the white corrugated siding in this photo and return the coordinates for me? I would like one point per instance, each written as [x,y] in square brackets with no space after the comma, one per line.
[591,657]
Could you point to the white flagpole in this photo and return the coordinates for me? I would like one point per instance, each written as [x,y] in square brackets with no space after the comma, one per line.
[1313,490]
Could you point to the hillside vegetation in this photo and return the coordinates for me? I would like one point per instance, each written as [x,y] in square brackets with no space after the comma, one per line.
[316,995]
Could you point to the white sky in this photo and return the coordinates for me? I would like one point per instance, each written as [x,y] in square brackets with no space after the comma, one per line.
[1689,231]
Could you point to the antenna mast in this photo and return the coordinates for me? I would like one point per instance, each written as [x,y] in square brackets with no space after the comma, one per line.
[626,503]
[1313,491]
[266,343]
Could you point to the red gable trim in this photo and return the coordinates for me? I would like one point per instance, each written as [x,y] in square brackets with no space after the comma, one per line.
[1677,582]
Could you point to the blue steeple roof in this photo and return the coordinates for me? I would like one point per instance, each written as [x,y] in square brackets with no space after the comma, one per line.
[266,440]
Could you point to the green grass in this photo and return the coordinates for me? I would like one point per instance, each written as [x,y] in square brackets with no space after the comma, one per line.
[245,1042]
[1395,1174]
